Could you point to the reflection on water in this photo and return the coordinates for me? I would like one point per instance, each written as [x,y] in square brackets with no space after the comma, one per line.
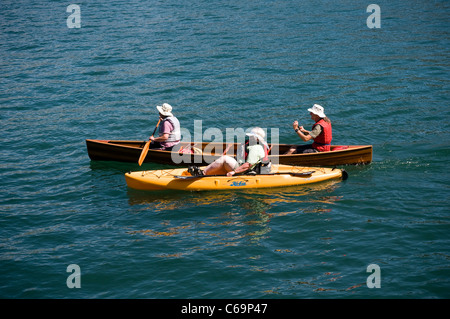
[225,218]
[173,200]
[189,222]
[112,167]
[193,221]
[248,199]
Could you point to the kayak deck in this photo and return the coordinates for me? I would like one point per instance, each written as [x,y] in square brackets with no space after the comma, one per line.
[180,179]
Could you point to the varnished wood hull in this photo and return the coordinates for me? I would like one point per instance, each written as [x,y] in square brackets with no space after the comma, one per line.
[129,151]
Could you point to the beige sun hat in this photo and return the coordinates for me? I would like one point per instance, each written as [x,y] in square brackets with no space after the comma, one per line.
[165,109]
[258,133]
[318,110]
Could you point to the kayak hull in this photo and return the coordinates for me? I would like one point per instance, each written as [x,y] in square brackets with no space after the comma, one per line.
[180,179]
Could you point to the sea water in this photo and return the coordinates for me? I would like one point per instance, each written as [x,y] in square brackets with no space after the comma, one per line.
[98,70]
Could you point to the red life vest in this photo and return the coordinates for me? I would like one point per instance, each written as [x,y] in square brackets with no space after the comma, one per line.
[322,142]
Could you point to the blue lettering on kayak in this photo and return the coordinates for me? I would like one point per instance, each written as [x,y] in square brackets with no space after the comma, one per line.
[238,184]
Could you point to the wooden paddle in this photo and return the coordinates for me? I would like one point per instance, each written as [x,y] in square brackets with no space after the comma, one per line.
[227,149]
[147,145]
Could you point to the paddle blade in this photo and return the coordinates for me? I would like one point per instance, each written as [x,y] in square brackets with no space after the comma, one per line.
[344,174]
[144,153]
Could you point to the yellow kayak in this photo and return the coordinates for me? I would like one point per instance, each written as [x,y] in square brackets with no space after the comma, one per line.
[181,179]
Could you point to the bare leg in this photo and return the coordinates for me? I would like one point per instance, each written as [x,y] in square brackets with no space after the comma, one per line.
[291,150]
[220,166]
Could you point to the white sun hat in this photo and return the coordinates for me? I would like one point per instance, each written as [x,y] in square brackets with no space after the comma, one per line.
[165,109]
[318,110]
[258,133]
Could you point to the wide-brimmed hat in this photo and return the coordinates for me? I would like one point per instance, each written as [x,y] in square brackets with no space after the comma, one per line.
[258,133]
[318,110]
[165,109]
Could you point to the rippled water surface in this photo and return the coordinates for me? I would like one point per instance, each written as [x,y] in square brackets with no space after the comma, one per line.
[230,64]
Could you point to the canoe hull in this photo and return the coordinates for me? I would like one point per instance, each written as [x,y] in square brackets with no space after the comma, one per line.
[353,155]
[129,151]
[180,179]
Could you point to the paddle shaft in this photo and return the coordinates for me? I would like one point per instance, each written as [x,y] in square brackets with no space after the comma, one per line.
[147,145]
[304,174]
[156,127]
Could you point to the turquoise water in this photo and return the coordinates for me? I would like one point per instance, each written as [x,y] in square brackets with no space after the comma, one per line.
[230,64]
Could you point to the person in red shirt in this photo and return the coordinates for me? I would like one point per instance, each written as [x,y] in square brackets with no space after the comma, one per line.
[321,133]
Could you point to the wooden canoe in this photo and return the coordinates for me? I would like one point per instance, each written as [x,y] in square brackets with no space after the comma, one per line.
[129,151]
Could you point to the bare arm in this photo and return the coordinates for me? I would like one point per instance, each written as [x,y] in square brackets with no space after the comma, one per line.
[161,138]
[244,167]
[301,132]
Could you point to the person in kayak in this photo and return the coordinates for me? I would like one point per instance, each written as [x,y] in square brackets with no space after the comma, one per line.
[249,155]
[321,133]
[169,130]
